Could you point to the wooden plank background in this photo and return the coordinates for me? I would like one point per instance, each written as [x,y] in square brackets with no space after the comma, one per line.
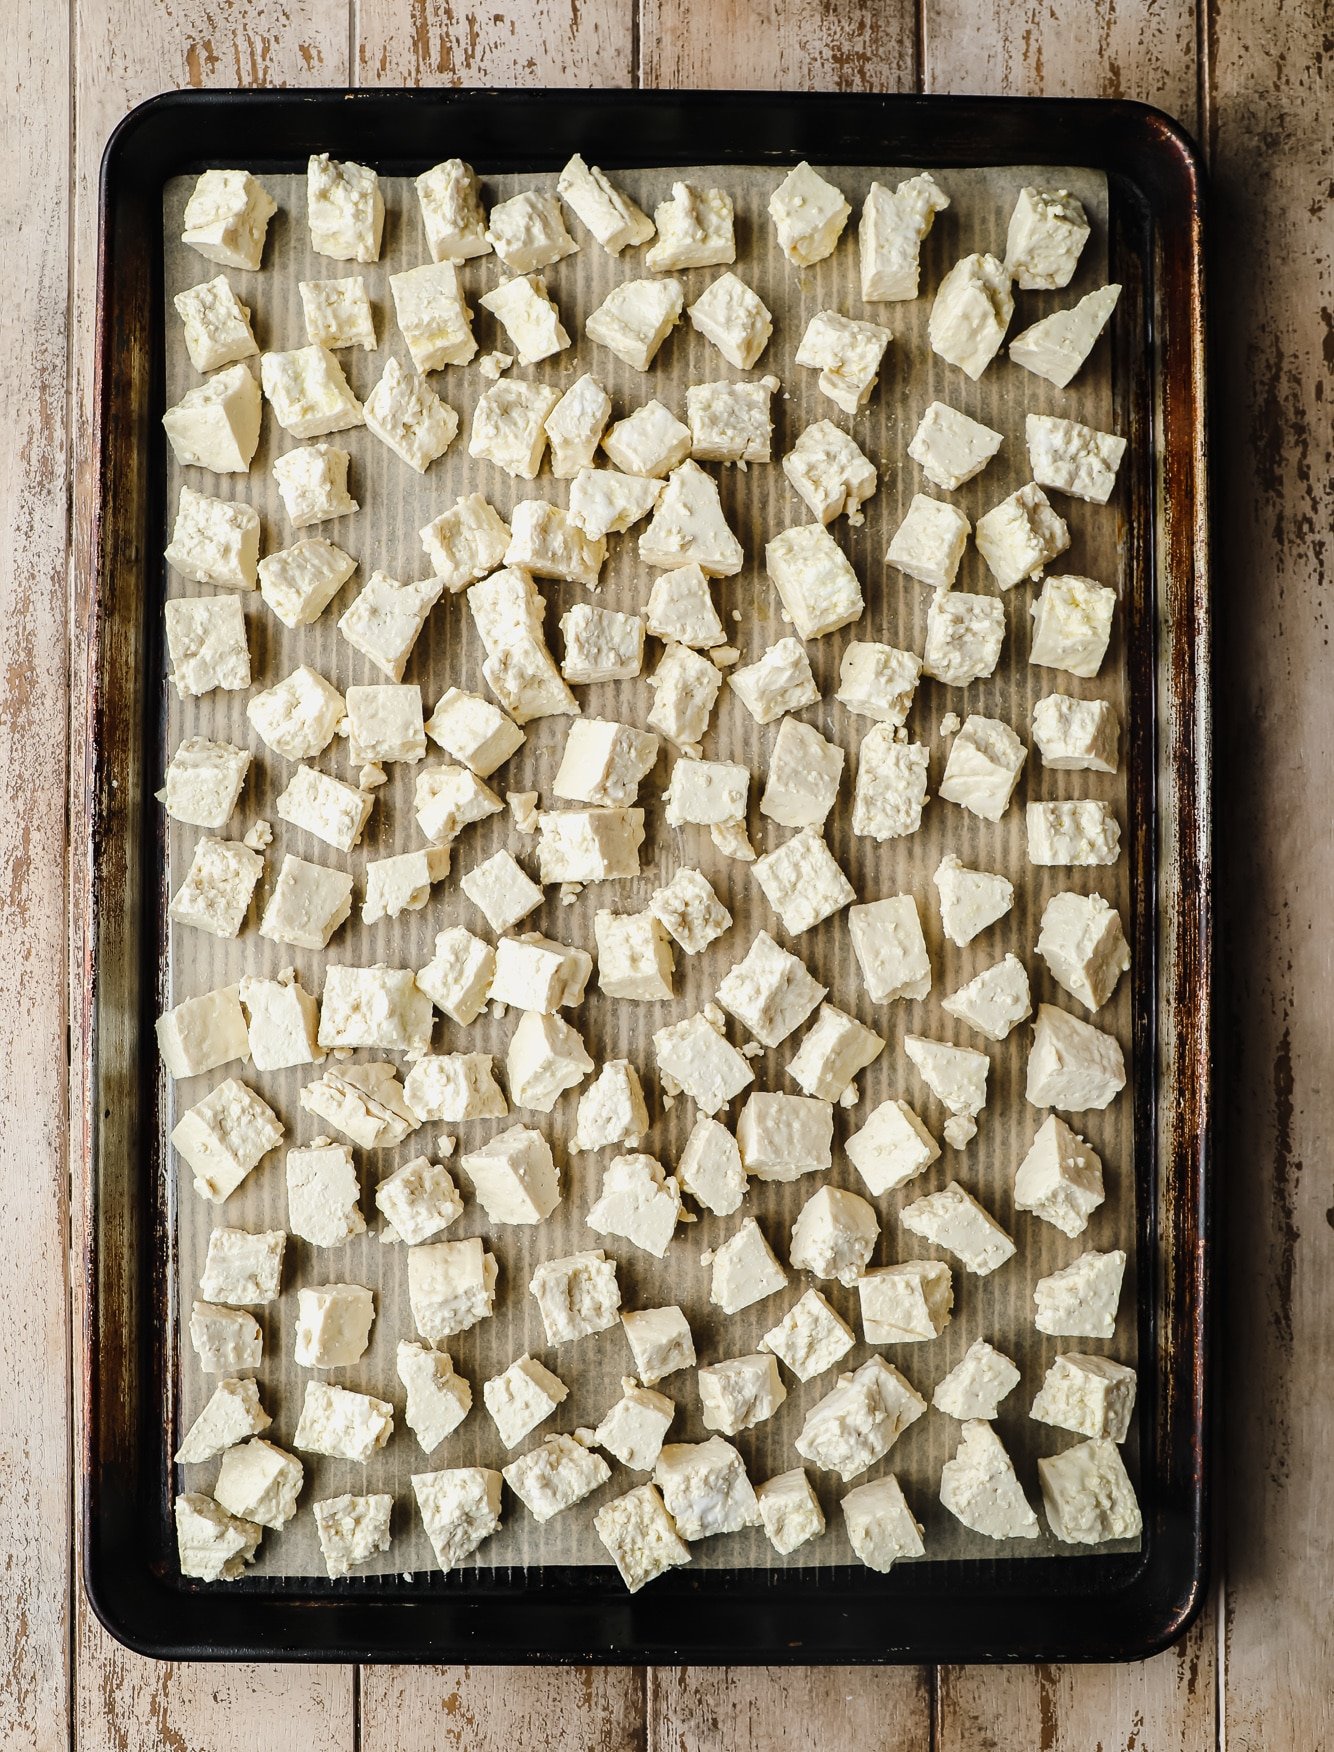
[1254,80]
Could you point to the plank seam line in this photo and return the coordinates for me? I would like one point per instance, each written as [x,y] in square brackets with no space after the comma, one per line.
[636,27]
[353,41]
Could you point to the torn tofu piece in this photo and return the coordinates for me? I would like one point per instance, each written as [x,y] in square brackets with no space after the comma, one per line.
[633,1428]
[589,845]
[739,1393]
[705,1488]
[546,543]
[459,1508]
[458,977]
[731,422]
[635,318]
[227,1134]
[243,1268]
[928,545]
[202,1033]
[878,681]
[1076,735]
[575,425]
[451,210]
[698,1059]
[376,1006]
[710,1168]
[342,1424]
[890,235]
[608,212]
[215,425]
[832,1054]
[603,501]
[386,619]
[214,541]
[690,911]
[454,1087]
[1079,832]
[438,1399]
[226,220]
[769,991]
[681,609]
[225,1340]
[640,1535]
[502,891]
[207,644]
[970,900]
[1057,346]
[600,644]
[260,1482]
[688,526]
[211,1544]
[406,414]
[964,635]
[345,209]
[1073,458]
[514,1176]
[685,689]
[694,230]
[217,889]
[528,232]
[323,1195]
[603,763]
[906,1304]
[953,1219]
[1021,536]
[312,482]
[533,972]
[834,1235]
[466,542]
[994,1001]
[705,792]
[639,1201]
[1073,1065]
[634,956]
[1088,1495]
[1080,1300]
[352,1529]
[509,427]
[889,792]
[859,1420]
[528,314]
[473,731]
[299,716]
[831,472]
[432,316]
[451,1286]
[576,1296]
[810,1338]
[970,314]
[790,1510]
[802,881]
[957,1077]
[660,1341]
[735,319]
[952,448]
[847,354]
[892,1148]
[980,1489]
[814,579]
[649,441]
[521,1397]
[508,609]
[554,1476]
[890,948]
[298,583]
[545,1057]
[1093,1396]
[308,392]
[976,1385]
[985,760]
[365,1102]
[804,773]
[1084,946]
[232,1413]
[1072,625]
[418,1200]
[1047,232]
[744,1270]
[782,1137]
[881,1527]
[779,681]
[611,1109]
[808,214]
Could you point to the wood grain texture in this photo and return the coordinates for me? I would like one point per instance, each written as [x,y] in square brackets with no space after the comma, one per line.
[800,1709]
[126,52]
[1141,49]
[501,1709]
[34,1412]
[785,45]
[1270,81]
[511,42]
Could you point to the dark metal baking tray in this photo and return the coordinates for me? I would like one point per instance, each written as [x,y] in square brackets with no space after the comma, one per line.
[1095,1608]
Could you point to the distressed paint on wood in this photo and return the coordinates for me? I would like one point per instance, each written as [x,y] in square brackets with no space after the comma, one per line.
[784,45]
[501,1709]
[125,52]
[34,1410]
[801,1709]
[1270,84]
[534,42]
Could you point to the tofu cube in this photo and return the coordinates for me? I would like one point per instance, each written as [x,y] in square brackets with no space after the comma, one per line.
[283,1019]
[810,1338]
[706,792]
[882,1529]
[404,412]
[891,232]
[640,1535]
[994,1001]
[455,1087]
[528,232]
[985,760]
[710,1168]
[802,882]
[216,893]
[694,230]
[224,1136]
[215,425]
[1085,949]
[555,1476]
[928,545]
[808,215]
[964,635]
[694,1057]
[338,313]
[634,956]
[957,1077]
[545,1058]
[730,422]
[211,1544]
[1021,536]
[878,681]
[203,782]
[259,1482]
[450,798]
[690,911]
[386,619]
[376,1006]
[206,641]
[325,807]
[613,218]
[892,1148]
[575,424]
[438,1399]
[976,1384]
[1057,346]
[308,392]
[600,644]
[890,949]
[202,1033]
[227,218]
[232,1413]
[460,1507]
[705,1488]
[298,583]
[744,1270]
[521,1397]
[835,1050]
[970,900]
[603,762]
[1088,1495]
[906,1304]
[639,1201]
[790,1511]
[779,681]
[847,354]
[473,731]
[501,890]
[603,501]
[352,1530]
[1080,1300]
[342,1424]
[225,1340]
[831,472]
[769,991]
[418,1200]
[1093,1396]
[312,482]
[681,609]
[576,1296]
[508,427]
[1073,1065]
[980,1489]
[365,1102]
[635,318]
[214,541]
[688,526]
[834,1235]
[535,973]
[971,312]
[451,210]
[299,716]
[529,317]
[451,1286]
[814,579]
[650,441]
[612,1110]
[633,1429]
[307,905]
[685,688]
[458,977]
[1078,832]
[589,845]
[859,1420]
[660,1341]
[323,1195]
[1048,229]
[466,542]
[734,318]
[547,544]
[1072,624]
[954,1220]
[889,792]
[1076,735]
[514,1176]
[1072,458]
[345,209]
[738,1394]
[782,1137]
[432,316]
[951,448]
[384,723]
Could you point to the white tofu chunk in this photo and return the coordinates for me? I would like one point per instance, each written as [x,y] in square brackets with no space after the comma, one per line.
[834,1235]
[215,425]
[206,641]
[803,776]
[451,210]
[227,217]
[460,1508]
[928,545]
[375,1006]
[224,1136]
[454,1087]
[299,716]
[545,1058]
[953,1219]
[994,1001]
[555,1476]
[660,1341]
[779,681]
[1093,1396]
[1071,458]
[952,448]
[386,619]
[514,1176]
[333,1329]
[535,973]
[980,1489]
[892,1148]
[521,1397]
[418,1200]
[438,1399]
[710,1168]
[528,314]
[639,1202]
[782,1137]
[307,905]
[808,215]
[889,793]
[881,1527]
[603,763]
[650,441]
[685,688]
[352,1529]
[706,792]
[600,644]
[501,889]
[308,392]
[342,1424]
[1080,1300]
[449,798]
[576,1296]
[364,1102]
[1057,346]
[1074,833]
[603,501]
[690,911]
[790,1510]
[890,949]
[611,1111]
[688,526]
[694,230]
[1073,1065]
[232,1413]
[705,1488]
[608,212]
[972,310]
[906,1304]
[964,635]
[216,892]
[890,235]
[298,583]
[507,610]
[312,482]
[528,232]
[451,1286]
[458,977]
[731,422]
[734,318]
[509,427]
[738,1394]
[859,1420]
[282,1018]
[1021,536]
[831,472]
[214,541]
[802,881]
[695,1057]
[985,760]
[225,1339]
[242,1268]
[635,318]
[1072,624]
[405,413]
[1077,735]
[640,1535]
[323,1194]
[634,956]
[976,1385]
[633,1428]
[575,425]
[835,1050]
[384,724]
[769,991]
[744,1270]
[1048,229]
[970,900]
[259,1482]
[1085,949]
[345,209]
[211,1544]
[847,354]
[202,1033]
[1088,1495]
[589,845]
[547,544]
[681,609]
[338,313]
[814,579]
[1060,1179]
[810,1338]
[325,807]
[878,681]
[473,731]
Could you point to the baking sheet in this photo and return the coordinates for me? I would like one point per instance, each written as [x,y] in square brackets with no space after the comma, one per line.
[759,502]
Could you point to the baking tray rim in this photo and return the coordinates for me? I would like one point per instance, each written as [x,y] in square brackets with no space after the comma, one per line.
[1149,1598]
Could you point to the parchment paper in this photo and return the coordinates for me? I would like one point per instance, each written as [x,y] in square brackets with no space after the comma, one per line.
[395,503]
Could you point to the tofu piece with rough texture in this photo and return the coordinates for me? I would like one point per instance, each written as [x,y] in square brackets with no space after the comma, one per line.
[1084,946]
[994,1001]
[603,501]
[705,1488]
[688,526]
[217,889]
[521,1397]
[954,1220]
[438,1399]
[1047,232]
[769,991]
[890,948]
[782,1137]
[338,313]
[970,900]
[260,1482]
[1073,458]
[890,235]
[859,1420]
[734,318]
[342,1424]
[458,977]
[710,1168]
[964,635]
[206,641]
[1060,1179]
[364,1102]
[333,1325]
[878,681]
[576,1296]
[1072,625]
[282,1019]
[810,1338]
[704,793]
[215,425]
[384,724]
[611,1111]
[808,214]
[1080,1300]
[298,583]
[460,1508]
[385,620]
[1075,833]
[634,1427]
[777,682]
[1021,536]
[891,1148]
[546,543]
[650,441]
[847,354]
[685,688]
[985,760]
[473,731]
[299,716]
[376,1006]
[212,1545]
[743,1270]
[449,798]
[507,609]
[345,209]
[600,644]
[199,1034]
[639,1202]
[323,1195]
[957,1077]
[980,1489]
[226,1340]
[790,1511]
[831,472]
[1073,1065]
[814,579]
[405,413]
[882,1529]
[555,1476]
[451,1286]
[681,609]
[906,1304]
[576,424]
[352,1529]
[802,881]
[466,542]
[528,231]
[690,911]
[603,763]
[695,230]
[1093,1396]
[533,972]
[501,889]
[1057,346]
[232,1413]
[418,1200]
[514,1176]
[545,1057]
[928,545]
[528,314]
[804,773]
[976,1385]
[451,210]
[739,1393]
[1088,1495]
[608,212]
[731,422]
[214,541]
[634,956]
[660,1341]
[307,905]
[226,219]
[509,427]
[312,482]
[952,448]
[889,792]
[226,1135]
[1075,735]
[635,318]
[589,845]
[832,1054]
[454,1087]
[641,1536]
[308,392]
[834,1235]
[971,312]
[695,1057]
